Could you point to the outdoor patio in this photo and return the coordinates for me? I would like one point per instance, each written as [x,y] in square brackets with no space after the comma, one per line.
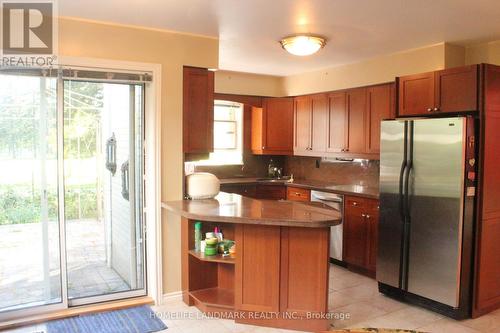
[21,263]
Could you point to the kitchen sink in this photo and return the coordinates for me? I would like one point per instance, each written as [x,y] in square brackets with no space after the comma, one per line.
[274,180]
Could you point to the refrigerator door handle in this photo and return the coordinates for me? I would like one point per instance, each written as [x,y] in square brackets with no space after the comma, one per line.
[409,167]
[404,164]
[405,241]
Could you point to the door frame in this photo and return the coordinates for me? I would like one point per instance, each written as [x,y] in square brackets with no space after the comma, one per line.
[152,167]
[152,193]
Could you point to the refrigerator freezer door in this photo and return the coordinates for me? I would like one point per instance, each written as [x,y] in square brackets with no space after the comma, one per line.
[392,148]
[436,187]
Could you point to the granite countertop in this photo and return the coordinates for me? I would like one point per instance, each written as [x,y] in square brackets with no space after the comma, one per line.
[345,189]
[234,208]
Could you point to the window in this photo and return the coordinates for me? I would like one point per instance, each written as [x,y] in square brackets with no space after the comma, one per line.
[228,134]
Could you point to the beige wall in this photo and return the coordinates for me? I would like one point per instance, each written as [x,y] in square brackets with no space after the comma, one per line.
[172,50]
[483,53]
[248,84]
[377,70]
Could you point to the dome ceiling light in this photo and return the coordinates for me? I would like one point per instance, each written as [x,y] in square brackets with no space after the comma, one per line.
[303,45]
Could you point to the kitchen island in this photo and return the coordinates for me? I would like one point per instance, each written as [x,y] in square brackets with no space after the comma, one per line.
[278,276]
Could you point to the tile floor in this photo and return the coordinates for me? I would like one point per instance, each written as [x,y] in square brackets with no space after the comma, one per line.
[351,294]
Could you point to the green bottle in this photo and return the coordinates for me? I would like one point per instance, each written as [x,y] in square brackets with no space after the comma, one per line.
[197,236]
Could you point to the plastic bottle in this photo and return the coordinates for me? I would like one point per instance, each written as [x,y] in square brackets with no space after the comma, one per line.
[197,236]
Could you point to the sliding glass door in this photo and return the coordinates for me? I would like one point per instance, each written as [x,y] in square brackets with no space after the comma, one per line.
[71,187]
[103,188]
[30,256]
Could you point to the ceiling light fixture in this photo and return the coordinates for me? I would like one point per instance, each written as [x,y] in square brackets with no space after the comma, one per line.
[303,45]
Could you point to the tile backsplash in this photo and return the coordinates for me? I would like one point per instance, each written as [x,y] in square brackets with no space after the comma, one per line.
[357,172]
[253,166]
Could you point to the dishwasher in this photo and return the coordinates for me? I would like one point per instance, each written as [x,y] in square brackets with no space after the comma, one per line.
[336,202]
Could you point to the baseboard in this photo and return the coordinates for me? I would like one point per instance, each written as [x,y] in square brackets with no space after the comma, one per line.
[174,296]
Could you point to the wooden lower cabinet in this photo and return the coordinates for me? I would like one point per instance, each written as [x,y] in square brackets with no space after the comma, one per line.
[248,190]
[361,233]
[257,268]
[282,270]
[271,192]
[304,270]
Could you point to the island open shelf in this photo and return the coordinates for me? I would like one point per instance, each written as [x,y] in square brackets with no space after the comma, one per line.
[217,258]
[280,268]
[215,297]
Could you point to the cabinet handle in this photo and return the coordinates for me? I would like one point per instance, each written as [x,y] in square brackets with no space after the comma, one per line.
[354,203]
[367,216]
[363,215]
[263,147]
[347,149]
[429,109]
[297,194]
[435,109]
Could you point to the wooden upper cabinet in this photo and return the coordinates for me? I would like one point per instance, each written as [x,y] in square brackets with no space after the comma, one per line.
[198,110]
[456,89]
[310,125]
[416,94]
[272,127]
[380,107]
[356,110]
[445,91]
[319,123]
[302,125]
[336,122]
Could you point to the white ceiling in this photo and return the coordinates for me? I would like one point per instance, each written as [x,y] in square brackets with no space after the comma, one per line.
[249,30]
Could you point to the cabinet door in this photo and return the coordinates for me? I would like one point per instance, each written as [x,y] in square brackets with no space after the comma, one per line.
[257,269]
[271,192]
[355,232]
[456,89]
[356,109]
[303,126]
[337,122]
[304,270]
[278,126]
[319,123]
[245,190]
[198,110]
[416,94]
[380,106]
[372,217]
[258,128]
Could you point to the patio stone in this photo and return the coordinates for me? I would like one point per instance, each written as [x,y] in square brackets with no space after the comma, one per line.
[21,269]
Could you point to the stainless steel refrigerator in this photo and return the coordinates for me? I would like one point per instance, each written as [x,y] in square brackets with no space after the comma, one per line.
[427,190]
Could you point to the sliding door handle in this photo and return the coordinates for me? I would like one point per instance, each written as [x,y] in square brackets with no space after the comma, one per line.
[111,154]
[125,180]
